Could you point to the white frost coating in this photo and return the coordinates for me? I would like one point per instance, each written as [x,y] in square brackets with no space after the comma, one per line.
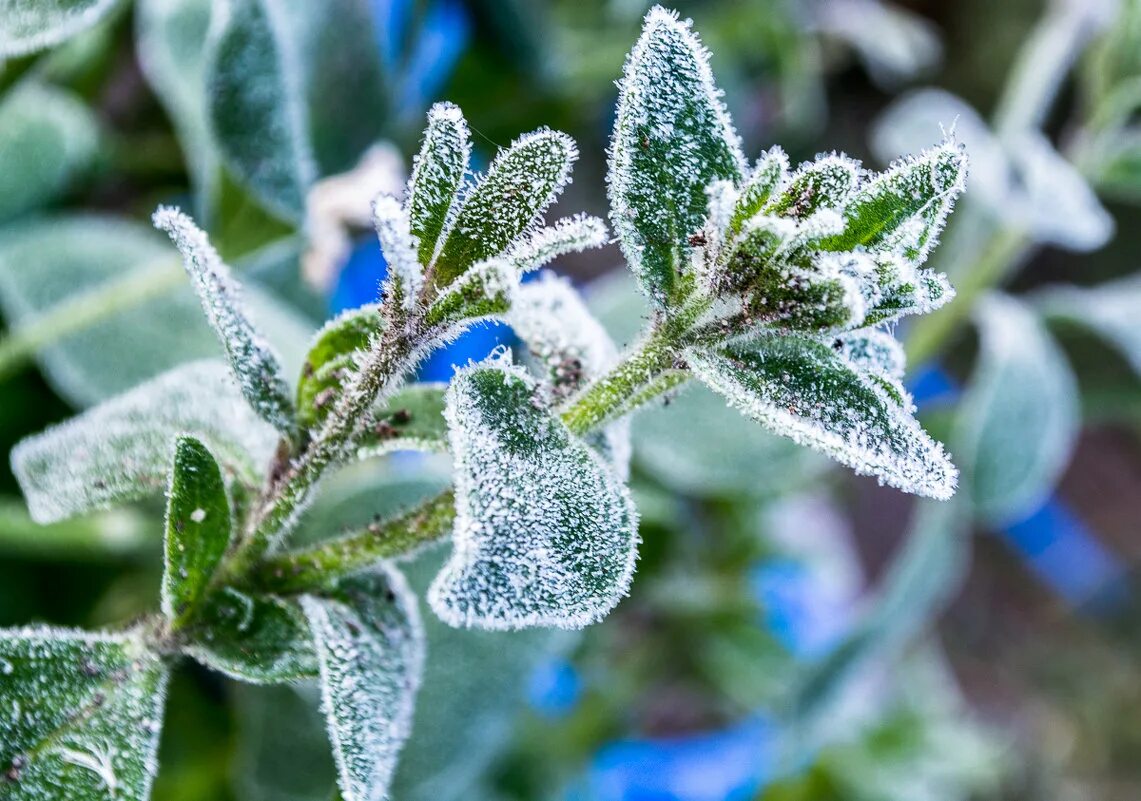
[568,235]
[399,247]
[80,715]
[30,25]
[370,651]
[438,171]
[253,360]
[1110,309]
[120,451]
[545,534]
[803,390]
[1020,417]
[827,182]
[873,350]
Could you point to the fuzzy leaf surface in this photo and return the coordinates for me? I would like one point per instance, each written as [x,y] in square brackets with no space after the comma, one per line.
[120,451]
[370,650]
[198,526]
[437,176]
[545,535]
[802,388]
[412,418]
[672,138]
[331,359]
[80,715]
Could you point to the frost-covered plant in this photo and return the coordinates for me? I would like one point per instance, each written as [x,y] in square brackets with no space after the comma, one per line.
[771,285]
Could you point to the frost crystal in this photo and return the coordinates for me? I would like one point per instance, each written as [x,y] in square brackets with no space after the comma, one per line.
[521,183]
[370,649]
[672,138]
[803,389]
[120,451]
[568,235]
[253,360]
[399,247]
[80,715]
[437,176]
[825,183]
[545,535]
[484,291]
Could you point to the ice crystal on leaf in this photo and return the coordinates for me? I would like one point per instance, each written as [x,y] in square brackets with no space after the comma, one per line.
[399,247]
[545,535]
[672,137]
[804,389]
[568,235]
[370,648]
[197,528]
[253,360]
[78,710]
[437,176]
[120,451]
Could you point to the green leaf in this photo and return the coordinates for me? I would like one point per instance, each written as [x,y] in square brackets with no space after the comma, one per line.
[170,40]
[198,526]
[803,389]
[330,360]
[295,90]
[826,183]
[1019,421]
[31,25]
[370,650]
[50,139]
[412,418]
[672,138]
[483,292]
[437,176]
[1109,310]
[260,639]
[521,183]
[120,451]
[252,358]
[568,235]
[762,184]
[545,534]
[398,245]
[904,209]
[96,283]
[80,715]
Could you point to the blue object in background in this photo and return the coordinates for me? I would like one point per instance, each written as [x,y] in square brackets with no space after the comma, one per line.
[554,688]
[797,609]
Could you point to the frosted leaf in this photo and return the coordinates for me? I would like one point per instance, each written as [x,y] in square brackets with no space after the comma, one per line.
[412,418]
[767,179]
[826,183]
[873,351]
[120,451]
[801,388]
[1019,421]
[904,290]
[370,650]
[331,360]
[170,38]
[903,210]
[260,639]
[672,138]
[521,183]
[1109,310]
[198,525]
[251,357]
[399,247]
[279,73]
[484,291]
[30,25]
[545,535]
[568,235]
[80,715]
[50,139]
[437,176]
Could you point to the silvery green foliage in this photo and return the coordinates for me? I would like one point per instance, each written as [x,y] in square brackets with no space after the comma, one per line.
[198,525]
[1019,420]
[1022,180]
[295,91]
[370,649]
[672,137]
[569,235]
[80,715]
[120,451]
[437,176]
[253,360]
[1109,310]
[545,535]
[399,247]
[30,25]
[50,139]
[807,390]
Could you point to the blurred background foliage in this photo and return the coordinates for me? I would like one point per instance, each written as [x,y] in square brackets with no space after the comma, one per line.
[794,633]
